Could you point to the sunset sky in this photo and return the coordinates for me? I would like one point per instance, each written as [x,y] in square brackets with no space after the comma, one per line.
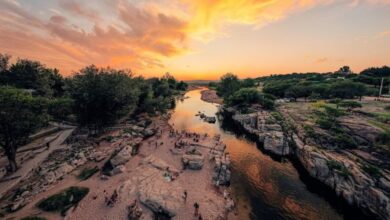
[198,39]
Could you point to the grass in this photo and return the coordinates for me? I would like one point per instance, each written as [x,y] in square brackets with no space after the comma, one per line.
[64,200]
[86,173]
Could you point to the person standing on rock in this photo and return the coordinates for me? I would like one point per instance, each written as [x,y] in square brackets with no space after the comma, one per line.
[196,206]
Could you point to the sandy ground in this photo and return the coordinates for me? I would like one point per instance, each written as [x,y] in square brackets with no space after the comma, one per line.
[198,184]
[211,96]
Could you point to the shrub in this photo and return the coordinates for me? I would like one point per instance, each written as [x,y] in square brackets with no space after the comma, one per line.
[345,141]
[384,138]
[309,130]
[87,173]
[373,171]
[64,200]
[335,165]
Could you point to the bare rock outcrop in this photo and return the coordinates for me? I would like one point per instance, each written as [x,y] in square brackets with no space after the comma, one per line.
[342,174]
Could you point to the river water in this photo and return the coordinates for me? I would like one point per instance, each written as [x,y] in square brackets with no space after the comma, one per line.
[264,188]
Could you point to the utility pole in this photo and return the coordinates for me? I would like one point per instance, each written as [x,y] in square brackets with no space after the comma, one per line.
[380,89]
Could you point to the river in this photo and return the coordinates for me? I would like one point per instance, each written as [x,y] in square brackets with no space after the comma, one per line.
[264,188]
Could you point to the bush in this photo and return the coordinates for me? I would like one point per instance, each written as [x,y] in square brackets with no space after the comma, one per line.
[86,173]
[345,141]
[335,165]
[384,138]
[373,171]
[64,200]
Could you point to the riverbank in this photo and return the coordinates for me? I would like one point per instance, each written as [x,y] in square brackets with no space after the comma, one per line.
[211,96]
[341,171]
[166,171]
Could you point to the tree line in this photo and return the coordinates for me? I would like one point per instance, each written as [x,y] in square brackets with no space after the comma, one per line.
[342,84]
[32,94]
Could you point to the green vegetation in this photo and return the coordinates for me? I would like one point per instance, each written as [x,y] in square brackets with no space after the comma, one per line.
[335,165]
[64,200]
[20,115]
[340,84]
[244,97]
[372,170]
[86,173]
[95,98]
[242,94]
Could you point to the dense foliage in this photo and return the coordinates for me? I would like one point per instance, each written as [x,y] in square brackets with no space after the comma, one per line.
[32,94]
[20,115]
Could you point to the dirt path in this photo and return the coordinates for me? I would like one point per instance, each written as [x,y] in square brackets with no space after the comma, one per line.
[30,165]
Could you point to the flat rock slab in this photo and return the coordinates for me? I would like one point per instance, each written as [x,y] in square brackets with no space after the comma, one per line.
[154,191]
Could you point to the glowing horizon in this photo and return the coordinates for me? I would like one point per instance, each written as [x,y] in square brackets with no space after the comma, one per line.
[200,39]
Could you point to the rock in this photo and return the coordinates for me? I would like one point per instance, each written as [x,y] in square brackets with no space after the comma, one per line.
[210,119]
[17,205]
[274,142]
[148,132]
[158,195]
[104,177]
[229,205]
[122,156]
[64,169]
[193,162]
[118,169]
[159,164]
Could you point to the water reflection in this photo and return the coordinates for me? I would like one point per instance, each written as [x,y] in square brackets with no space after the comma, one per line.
[265,188]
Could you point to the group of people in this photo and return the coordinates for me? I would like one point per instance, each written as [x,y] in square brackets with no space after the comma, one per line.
[112,200]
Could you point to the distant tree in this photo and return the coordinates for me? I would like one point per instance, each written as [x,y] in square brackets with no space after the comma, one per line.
[20,115]
[350,105]
[182,86]
[4,68]
[347,89]
[244,97]
[278,88]
[228,85]
[60,108]
[248,82]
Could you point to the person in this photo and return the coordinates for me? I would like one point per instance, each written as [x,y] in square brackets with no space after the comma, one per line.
[200,217]
[48,145]
[196,206]
[185,195]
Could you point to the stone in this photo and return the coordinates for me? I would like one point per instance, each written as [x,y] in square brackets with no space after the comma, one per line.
[104,177]
[148,132]
[122,157]
[118,169]
[17,205]
[193,162]
[158,195]
[274,142]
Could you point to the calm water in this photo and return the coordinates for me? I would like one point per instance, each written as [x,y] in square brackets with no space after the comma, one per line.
[265,188]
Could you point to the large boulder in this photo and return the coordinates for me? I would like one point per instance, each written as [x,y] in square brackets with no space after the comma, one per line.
[275,142]
[192,161]
[122,156]
[157,194]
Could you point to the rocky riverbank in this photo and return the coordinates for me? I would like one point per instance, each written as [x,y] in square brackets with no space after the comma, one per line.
[341,170]
[144,160]
[211,96]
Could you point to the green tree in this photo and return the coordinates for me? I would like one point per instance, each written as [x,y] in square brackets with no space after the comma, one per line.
[244,97]
[102,96]
[228,85]
[20,115]
[350,105]
[60,108]
[248,82]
